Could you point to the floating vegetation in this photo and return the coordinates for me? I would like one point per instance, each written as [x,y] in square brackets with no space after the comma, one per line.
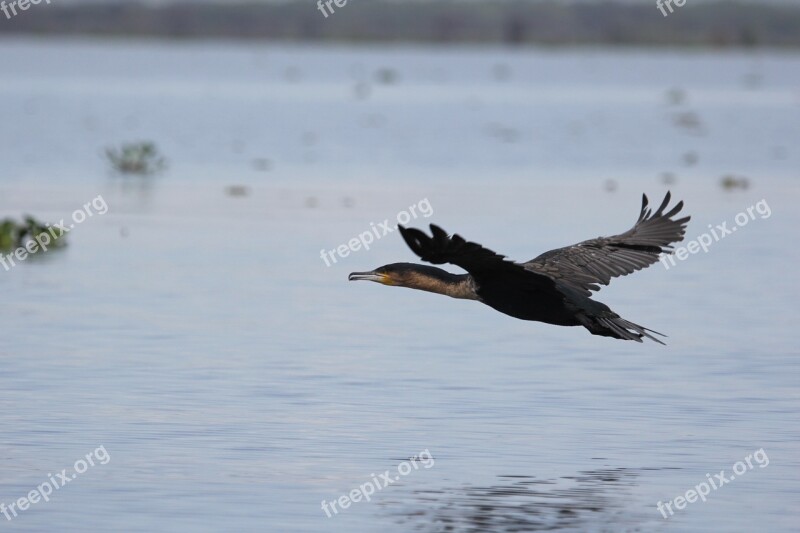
[237,191]
[15,235]
[373,120]
[689,121]
[386,76]
[262,164]
[506,134]
[138,158]
[676,96]
[731,182]
[690,159]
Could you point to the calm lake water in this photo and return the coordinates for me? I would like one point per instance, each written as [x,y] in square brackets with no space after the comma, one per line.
[235,381]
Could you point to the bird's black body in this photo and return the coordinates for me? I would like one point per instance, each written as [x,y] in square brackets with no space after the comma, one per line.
[527,301]
[555,287]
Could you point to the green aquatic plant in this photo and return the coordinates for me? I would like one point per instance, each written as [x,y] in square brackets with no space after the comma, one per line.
[8,234]
[138,158]
[14,235]
[731,182]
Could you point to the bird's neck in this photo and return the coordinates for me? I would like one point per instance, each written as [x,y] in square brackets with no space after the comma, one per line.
[436,280]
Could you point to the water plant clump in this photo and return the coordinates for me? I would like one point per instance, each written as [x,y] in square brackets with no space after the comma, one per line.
[137,158]
[15,234]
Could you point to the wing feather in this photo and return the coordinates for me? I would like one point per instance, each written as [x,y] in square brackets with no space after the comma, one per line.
[587,265]
[483,264]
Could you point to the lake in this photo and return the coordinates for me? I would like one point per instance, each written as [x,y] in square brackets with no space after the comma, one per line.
[193,341]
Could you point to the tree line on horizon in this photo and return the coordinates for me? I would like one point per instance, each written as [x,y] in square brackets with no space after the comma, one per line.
[510,22]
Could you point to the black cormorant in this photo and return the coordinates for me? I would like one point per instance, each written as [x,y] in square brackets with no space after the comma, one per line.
[555,287]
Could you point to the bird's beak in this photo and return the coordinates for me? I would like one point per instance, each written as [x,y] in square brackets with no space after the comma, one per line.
[369,276]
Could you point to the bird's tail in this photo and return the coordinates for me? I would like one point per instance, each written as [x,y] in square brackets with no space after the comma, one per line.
[612,325]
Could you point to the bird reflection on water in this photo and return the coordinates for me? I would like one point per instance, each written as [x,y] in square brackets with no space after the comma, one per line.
[595,500]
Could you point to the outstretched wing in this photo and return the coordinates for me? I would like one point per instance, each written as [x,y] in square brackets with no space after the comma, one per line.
[483,264]
[587,265]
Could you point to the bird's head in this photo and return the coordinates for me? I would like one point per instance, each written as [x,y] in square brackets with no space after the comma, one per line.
[398,274]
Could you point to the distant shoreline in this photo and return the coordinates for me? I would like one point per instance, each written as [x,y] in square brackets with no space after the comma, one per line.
[506,22]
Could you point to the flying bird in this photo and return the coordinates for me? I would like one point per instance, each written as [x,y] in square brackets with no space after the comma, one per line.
[555,287]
